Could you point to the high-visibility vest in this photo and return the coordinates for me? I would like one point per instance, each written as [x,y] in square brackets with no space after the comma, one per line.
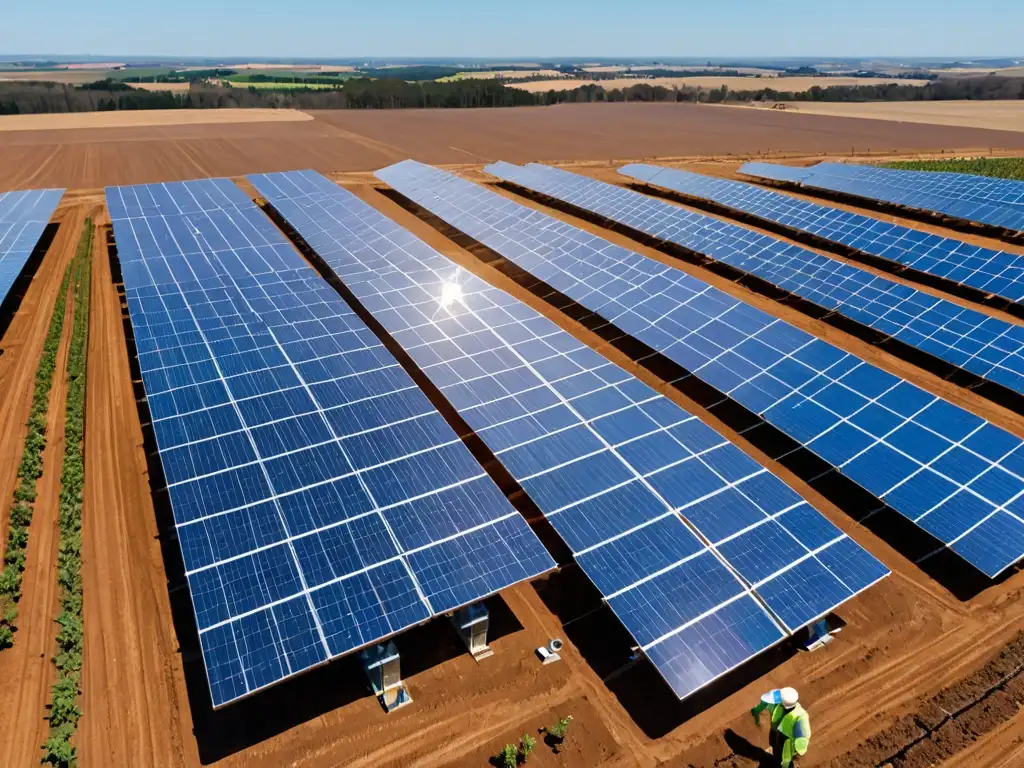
[795,725]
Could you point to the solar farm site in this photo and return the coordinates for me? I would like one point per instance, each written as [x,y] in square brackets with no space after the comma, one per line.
[363,435]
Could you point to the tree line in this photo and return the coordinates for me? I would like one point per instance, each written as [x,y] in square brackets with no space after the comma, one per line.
[393,93]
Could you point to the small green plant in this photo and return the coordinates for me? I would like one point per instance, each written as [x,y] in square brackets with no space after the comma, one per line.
[509,756]
[526,745]
[559,729]
[58,750]
[64,711]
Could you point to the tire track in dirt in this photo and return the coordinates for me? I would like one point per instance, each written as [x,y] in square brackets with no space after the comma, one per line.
[40,169]
[388,150]
[26,673]
[133,691]
[179,147]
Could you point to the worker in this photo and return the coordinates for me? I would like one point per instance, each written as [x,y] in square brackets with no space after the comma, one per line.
[791,725]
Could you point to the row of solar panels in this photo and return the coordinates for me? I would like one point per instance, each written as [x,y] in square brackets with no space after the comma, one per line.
[995,202]
[705,556]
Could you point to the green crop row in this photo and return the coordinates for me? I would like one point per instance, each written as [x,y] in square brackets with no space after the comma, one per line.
[29,471]
[998,167]
[64,712]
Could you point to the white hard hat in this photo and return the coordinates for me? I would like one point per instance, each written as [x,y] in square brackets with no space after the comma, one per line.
[787,697]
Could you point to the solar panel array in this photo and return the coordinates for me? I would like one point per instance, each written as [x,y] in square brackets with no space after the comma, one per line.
[985,202]
[955,475]
[988,347]
[984,269]
[23,217]
[320,501]
[610,462]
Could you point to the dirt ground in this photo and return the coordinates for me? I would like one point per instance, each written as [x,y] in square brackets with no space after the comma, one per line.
[147,118]
[919,633]
[996,115]
[364,140]
[69,76]
[733,83]
[355,140]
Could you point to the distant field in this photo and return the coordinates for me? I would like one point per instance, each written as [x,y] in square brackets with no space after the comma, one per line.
[279,68]
[172,87]
[997,167]
[506,73]
[121,74]
[286,86]
[997,115]
[244,77]
[67,76]
[972,72]
[681,68]
[147,118]
[794,84]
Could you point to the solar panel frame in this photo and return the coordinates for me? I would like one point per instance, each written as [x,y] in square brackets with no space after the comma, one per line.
[986,346]
[400,280]
[905,446]
[321,502]
[24,216]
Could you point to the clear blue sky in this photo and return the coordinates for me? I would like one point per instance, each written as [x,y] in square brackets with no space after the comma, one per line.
[524,28]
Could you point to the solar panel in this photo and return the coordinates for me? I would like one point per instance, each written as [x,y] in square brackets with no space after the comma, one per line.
[1000,209]
[23,217]
[320,501]
[982,189]
[610,462]
[955,475]
[983,269]
[984,345]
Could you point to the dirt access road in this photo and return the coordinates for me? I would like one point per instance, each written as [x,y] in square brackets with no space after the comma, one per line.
[354,140]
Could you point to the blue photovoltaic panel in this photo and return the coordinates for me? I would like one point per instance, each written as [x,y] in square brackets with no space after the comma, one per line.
[996,272]
[321,502]
[994,203]
[986,346]
[962,186]
[610,462]
[957,476]
[23,217]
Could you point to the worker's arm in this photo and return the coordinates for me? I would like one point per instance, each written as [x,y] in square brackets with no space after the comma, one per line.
[756,711]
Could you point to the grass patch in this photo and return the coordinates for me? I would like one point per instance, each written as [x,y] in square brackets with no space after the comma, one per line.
[29,471]
[64,712]
[996,167]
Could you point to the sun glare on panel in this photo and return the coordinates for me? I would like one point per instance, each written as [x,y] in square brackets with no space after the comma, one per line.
[451,293]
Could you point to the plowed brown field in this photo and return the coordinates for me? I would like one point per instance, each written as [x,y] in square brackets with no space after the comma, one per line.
[356,140]
[909,639]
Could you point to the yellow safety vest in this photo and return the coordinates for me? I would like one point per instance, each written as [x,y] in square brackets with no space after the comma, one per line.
[795,725]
